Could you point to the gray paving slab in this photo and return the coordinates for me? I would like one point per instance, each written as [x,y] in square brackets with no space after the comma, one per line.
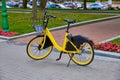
[16,65]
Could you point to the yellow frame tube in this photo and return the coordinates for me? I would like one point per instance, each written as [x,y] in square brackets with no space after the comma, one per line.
[58,47]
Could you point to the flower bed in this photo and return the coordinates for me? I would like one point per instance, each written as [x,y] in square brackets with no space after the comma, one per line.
[108,46]
[8,34]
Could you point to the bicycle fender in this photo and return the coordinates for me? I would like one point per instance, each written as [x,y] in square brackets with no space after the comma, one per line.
[78,40]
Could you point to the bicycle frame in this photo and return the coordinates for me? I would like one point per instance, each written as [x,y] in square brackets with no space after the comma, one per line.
[60,48]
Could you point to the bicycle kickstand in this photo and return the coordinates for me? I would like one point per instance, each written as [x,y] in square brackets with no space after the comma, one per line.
[59,57]
[70,60]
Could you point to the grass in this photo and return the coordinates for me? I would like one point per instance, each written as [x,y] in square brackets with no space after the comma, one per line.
[21,23]
[117,40]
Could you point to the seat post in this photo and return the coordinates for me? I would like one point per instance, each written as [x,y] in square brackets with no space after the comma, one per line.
[69,22]
[68,27]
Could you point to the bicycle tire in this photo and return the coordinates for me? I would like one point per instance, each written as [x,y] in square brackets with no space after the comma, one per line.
[34,50]
[86,52]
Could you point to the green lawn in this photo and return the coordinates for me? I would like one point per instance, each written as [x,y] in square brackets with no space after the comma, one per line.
[21,23]
[117,40]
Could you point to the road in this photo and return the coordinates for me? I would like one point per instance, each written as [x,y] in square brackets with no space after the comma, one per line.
[16,65]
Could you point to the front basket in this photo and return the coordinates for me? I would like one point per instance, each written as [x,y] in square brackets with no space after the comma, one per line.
[38,28]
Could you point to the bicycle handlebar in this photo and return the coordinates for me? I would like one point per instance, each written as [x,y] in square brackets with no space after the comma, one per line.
[50,16]
[46,19]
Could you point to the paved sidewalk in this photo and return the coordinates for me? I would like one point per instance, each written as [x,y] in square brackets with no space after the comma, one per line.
[98,31]
[16,65]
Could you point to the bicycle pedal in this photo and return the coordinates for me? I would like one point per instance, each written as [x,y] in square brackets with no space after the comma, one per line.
[57,59]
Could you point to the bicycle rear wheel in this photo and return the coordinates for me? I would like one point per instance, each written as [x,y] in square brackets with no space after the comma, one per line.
[85,56]
[34,49]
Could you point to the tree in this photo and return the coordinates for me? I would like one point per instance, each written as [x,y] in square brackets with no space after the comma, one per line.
[35,11]
[24,3]
[43,4]
[85,2]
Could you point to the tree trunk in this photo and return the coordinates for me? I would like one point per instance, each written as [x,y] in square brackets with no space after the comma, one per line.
[43,4]
[24,3]
[34,11]
[84,7]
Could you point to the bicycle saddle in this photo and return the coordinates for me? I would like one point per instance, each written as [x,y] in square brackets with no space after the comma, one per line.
[70,21]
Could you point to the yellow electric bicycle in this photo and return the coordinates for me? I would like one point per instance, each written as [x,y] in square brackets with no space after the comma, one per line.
[79,48]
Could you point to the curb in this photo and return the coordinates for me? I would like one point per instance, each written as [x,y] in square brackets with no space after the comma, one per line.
[110,39]
[107,53]
[62,27]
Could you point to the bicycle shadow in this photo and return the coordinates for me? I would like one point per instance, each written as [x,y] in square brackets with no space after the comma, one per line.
[50,62]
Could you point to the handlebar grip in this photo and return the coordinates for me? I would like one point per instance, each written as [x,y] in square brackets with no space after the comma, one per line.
[53,16]
[50,16]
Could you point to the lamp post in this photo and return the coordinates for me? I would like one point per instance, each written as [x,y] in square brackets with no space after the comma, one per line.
[5,25]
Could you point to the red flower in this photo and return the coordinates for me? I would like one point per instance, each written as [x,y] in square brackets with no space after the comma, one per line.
[108,46]
[8,34]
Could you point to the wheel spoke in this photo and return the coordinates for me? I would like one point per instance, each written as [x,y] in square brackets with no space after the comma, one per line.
[85,56]
[34,51]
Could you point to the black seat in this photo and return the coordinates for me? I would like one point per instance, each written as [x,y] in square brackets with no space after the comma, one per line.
[70,21]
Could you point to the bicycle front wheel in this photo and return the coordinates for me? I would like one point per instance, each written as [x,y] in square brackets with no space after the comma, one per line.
[85,56]
[34,49]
